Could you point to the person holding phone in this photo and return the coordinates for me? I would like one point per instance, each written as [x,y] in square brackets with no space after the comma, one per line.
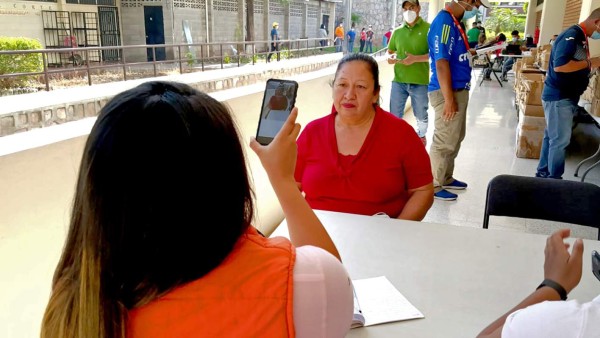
[545,313]
[345,162]
[161,243]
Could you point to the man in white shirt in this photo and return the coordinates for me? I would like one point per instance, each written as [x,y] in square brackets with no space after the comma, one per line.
[544,313]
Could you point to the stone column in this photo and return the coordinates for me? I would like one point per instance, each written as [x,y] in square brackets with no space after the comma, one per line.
[531,16]
[435,6]
[553,13]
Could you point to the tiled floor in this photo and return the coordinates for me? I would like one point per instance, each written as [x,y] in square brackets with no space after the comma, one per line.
[489,150]
[37,187]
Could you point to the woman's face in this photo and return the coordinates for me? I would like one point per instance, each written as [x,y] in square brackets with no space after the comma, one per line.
[354,90]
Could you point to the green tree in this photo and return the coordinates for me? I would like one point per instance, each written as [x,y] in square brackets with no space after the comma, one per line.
[505,20]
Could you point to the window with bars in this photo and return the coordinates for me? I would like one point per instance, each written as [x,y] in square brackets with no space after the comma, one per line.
[312,11]
[296,9]
[225,5]
[42,0]
[93,2]
[134,3]
[276,8]
[195,4]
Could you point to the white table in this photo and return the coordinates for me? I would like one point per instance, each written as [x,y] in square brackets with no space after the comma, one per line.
[461,278]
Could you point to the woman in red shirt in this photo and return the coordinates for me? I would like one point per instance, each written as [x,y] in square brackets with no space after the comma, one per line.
[361,159]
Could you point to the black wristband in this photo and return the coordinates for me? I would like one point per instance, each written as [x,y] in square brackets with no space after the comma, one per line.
[557,287]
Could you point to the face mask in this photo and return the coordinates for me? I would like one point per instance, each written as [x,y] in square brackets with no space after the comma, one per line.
[515,39]
[410,16]
[595,35]
[469,14]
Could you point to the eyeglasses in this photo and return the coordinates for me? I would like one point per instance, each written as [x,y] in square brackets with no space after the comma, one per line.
[596,264]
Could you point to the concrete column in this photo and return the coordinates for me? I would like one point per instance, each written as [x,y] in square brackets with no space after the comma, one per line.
[394,13]
[435,6]
[553,13]
[531,16]
[587,7]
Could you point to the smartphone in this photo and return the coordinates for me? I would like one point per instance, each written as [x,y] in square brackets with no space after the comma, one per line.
[278,100]
[596,264]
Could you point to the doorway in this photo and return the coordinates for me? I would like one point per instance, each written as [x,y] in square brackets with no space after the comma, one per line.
[326,23]
[155,31]
[109,32]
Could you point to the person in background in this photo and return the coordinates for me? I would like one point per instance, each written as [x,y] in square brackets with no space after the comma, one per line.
[323,35]
[482,39]
[449,86]
[473,35]
[339,37]
[498,40]
[274,42]
[147,254]
[387,36]
[480,26]
[345,161]
[363,39]
[369,45]
[411,67]
[351,36]
[554,37]
[567,78]
[545,312]
[510,61]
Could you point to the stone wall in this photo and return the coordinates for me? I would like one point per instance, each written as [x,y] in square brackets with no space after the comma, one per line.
[378,14]
[20,121]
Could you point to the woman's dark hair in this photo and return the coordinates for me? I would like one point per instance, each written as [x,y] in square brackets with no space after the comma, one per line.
[369,60]
[163,195]
[515,32]
[501,37]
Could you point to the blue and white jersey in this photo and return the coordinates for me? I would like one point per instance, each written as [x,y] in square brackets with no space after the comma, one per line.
[446,42]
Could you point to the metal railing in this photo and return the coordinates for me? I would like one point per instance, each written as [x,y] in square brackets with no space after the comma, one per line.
[182,57]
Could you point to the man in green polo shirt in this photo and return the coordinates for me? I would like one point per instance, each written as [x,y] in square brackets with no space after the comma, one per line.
[473,35]
[411,66]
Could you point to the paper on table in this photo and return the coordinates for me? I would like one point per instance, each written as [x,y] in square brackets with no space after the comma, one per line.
[492,48]
[381,302]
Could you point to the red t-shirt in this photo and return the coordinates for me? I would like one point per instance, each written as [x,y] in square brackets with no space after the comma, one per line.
[391,161]
[278,102]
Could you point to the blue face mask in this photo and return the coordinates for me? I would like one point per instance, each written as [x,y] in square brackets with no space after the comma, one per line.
[469,14]
[595,35]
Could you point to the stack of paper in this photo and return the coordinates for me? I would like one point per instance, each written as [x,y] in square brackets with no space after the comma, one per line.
[377,301]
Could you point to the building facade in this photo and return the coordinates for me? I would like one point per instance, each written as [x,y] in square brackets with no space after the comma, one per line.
[87,23]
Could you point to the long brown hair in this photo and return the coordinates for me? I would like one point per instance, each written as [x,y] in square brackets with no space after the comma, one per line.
[162,196]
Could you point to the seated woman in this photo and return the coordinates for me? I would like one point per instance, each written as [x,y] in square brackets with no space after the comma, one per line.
[361,159]
[278,101]
[160,242]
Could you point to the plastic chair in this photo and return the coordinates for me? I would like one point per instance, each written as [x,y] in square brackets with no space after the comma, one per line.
[543,198]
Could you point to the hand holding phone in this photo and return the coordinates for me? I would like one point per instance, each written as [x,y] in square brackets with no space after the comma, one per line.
[278,100]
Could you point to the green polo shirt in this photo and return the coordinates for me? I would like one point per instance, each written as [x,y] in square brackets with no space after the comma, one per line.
[473,34]
[412,40]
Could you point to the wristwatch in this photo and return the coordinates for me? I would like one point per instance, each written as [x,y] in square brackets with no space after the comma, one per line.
[557,287]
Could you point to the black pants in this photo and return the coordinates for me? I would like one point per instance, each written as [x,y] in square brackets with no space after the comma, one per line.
[273,49]
[362,45]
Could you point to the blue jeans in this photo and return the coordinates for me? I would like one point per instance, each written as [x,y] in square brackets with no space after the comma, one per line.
[507,65]
[338,45]
[418,98]
[350,46]
[557,135]
[369,48]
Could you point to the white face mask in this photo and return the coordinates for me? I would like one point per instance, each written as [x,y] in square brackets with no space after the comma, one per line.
[409,16]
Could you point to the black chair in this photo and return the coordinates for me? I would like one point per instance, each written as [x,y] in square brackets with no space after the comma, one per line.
[543,198]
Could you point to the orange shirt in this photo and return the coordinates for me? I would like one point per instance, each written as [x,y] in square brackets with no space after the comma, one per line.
[339,32]
[249,295]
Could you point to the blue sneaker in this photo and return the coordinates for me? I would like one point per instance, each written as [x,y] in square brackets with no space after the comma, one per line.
[445,195]
[455,185]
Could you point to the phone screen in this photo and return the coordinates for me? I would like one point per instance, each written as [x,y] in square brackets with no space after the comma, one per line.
[278,100]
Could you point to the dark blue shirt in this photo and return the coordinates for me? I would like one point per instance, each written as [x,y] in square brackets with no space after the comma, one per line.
[445,42]
[274,34]
[569,45]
